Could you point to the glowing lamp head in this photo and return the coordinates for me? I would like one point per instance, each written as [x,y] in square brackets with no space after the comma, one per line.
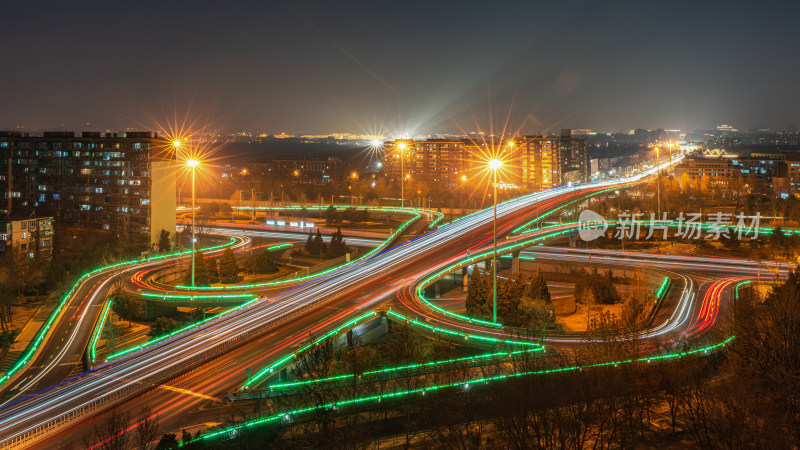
[510,143]
[402,146]
[192,163]
[463,178]
[375,143]
[176,143]
[495,164]
[354,175]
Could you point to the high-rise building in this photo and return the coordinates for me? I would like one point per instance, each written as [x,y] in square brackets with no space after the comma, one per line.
[550,161]
[122,185]
[435,160]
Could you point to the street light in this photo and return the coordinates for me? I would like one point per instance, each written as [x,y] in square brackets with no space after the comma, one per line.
[494,165]
[402,146]
[658,182]
[193,163]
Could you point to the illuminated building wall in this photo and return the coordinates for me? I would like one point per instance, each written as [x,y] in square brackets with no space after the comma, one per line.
[435,160]
[302,169]
[549,161]
[31,237]
[720,171]
[92,183]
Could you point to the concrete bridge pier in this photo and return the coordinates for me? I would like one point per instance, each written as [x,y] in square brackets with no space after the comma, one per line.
[515,262]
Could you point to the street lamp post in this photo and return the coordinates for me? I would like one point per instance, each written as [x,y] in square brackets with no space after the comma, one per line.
[494,164]
[402,146]
[658,182]
[193,163]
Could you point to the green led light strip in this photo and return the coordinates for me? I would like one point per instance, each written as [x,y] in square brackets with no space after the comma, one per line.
[194,297]
[26,356]
[663,288]
[550,212]
[736,296]
[97,331]
[462,335]
[231,431]
[379,248]
[486,356]
[478,257]
[187,327]
[288,358]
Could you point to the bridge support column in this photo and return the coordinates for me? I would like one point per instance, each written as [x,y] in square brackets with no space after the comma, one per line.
[437,289]
[464,278]
[573,240]
[515,262]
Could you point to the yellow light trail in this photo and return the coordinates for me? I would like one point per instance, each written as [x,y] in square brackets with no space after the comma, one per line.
[188,392]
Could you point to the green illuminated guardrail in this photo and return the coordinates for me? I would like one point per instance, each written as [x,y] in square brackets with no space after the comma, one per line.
[289,358]
[521,228]
[187,327]
[37,341]
[401,229]
[461,335]
[517,244]
[736,296]
[663,288]
[231,431]
[97,332]
[482,357]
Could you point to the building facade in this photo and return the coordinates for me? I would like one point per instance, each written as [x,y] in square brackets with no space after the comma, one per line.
[720,171]
[434,160]
[121,185]
[32,237]
[303,169]
[550,161]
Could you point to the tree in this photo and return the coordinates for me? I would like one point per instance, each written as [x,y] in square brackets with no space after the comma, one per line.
[228,270]
[264,263]
[210,208]
[147,431]
[310,244]
[168,441]
[202,277]
[479,294]
[601,286]
[212,270]
[331,215]
[509,296]
[109,434]
[538,290]
[337,246]
[319,244]
[164,245]
[126,305]
[162,326]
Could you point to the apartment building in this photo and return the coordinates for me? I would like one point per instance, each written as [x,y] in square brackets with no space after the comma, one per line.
[95,182]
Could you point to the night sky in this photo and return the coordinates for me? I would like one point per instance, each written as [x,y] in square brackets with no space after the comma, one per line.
[400,68]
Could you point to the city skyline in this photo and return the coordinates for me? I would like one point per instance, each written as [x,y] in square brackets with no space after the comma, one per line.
[410,69]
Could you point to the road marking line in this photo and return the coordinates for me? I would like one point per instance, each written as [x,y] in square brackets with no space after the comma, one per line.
[188,392]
